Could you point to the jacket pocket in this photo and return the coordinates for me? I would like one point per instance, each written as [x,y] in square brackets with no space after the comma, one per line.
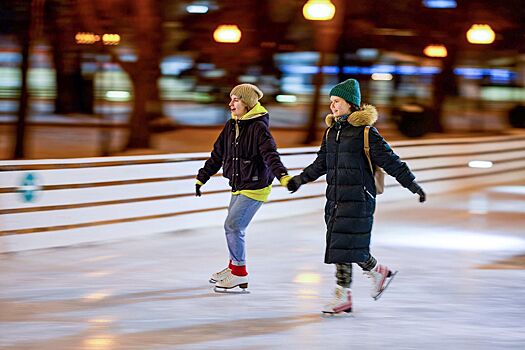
[248,171]
[367,192]
[370,201]
[227,169]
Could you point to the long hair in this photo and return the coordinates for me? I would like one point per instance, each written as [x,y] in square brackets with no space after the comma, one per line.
[354,108]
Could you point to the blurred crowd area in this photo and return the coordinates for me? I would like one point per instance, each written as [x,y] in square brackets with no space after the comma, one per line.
[165,64]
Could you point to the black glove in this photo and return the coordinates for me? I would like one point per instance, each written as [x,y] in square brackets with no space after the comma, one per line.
[422,195]
[415,188]
[198,190]
[294,183]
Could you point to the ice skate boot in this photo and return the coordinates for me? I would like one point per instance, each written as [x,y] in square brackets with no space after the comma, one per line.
[341,302]
[232,284]
[381,276]
[217,276]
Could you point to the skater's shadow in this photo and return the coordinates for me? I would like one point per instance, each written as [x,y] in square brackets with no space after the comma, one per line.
[15,309]
[194,334]
[221,330]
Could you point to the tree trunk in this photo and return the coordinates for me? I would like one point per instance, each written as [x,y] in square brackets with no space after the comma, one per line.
[327,35]
[145,72]
[20,133]
[145,75]
[444,85]
[313,121]
[139,133]
[74,95]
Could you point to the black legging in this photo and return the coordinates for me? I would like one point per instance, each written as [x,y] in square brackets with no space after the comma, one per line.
[343,271]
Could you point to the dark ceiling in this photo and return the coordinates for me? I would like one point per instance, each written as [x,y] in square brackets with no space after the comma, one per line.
[404,26]
[269,26]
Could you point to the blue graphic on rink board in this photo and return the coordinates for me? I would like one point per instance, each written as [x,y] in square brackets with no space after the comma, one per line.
[28,188]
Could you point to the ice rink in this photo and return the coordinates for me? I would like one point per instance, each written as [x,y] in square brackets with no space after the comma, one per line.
[461,285]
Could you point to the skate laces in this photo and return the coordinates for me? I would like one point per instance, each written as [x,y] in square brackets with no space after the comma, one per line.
[340,294]
[229,276]
[377,273]
[222,272]
[375,278]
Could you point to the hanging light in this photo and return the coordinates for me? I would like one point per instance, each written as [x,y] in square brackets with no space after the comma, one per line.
[197,8]
[227,33]
[86,38]
[382,76]
[481,34]
[319,10]
[440,4]
[111,39]
[435,51]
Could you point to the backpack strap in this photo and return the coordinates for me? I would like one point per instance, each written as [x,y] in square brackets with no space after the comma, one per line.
[327,131]
[367,148]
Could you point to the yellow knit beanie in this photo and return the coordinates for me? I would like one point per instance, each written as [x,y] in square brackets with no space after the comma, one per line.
[247,93]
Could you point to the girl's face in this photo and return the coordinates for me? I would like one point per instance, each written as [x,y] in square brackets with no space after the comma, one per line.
[339,106]
[237,107]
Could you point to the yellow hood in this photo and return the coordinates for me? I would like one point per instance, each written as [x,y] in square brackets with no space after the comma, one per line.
[257,111]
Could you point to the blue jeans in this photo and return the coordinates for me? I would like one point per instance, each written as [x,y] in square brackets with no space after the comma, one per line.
[240,212]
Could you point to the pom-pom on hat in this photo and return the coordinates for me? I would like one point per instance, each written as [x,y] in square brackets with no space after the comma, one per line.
[247,93]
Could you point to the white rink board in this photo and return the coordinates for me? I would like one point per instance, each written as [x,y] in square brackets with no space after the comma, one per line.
[104,198]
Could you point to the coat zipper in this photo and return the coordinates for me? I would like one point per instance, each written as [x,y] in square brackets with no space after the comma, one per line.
[235,157]
[336,162]
[332,219]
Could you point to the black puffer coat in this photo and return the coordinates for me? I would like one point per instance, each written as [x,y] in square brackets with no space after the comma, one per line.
[351,193]
[251,160]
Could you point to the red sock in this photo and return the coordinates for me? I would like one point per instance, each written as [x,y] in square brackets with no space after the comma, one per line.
[230,265]
[239,270]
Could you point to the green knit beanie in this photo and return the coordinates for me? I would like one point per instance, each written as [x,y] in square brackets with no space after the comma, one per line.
[349,91]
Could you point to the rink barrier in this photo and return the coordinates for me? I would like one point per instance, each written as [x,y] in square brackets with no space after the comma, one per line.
[93,199]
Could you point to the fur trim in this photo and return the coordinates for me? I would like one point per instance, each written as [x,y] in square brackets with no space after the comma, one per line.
[366,116]
[329,120]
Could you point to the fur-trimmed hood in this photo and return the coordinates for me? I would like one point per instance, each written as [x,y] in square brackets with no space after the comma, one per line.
[366,116]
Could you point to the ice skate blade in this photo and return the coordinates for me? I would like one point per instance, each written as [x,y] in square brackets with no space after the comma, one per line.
[342,314]
[393,273]
[234,290]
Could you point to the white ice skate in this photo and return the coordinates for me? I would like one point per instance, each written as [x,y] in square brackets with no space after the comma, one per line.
[232,284]
[381,276]
[341,302]
[218,276]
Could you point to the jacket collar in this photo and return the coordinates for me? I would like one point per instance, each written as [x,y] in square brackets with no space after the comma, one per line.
[366,116]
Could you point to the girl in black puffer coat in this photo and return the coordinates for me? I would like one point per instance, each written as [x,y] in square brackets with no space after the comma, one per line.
[350,205]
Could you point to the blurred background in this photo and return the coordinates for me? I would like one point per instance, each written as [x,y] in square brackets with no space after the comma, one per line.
[107,77]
